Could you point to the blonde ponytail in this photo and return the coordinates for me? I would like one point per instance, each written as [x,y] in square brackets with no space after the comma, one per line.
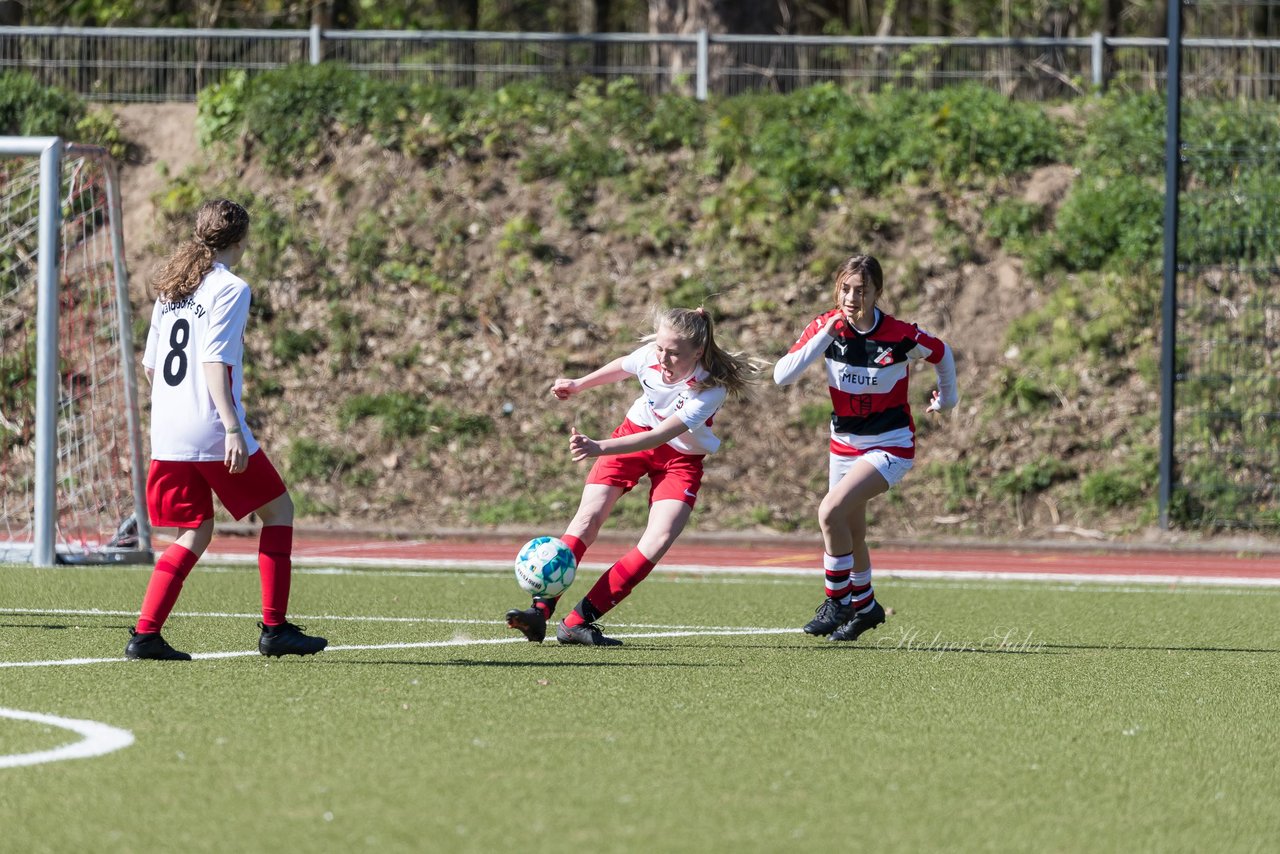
[732,371]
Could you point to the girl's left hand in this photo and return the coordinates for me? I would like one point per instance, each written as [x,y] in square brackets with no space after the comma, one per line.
[935,405]
[581,447]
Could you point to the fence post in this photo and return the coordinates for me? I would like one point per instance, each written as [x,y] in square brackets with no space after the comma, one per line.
[314,39]
[1099,56]
[700,86]
[1169,293]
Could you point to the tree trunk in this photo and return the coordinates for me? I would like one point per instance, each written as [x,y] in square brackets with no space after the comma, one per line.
[715,16]
[10,13]
[886,19]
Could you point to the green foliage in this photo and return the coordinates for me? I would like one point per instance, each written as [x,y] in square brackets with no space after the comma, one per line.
[18,392]
[412,416]
[1100,317]
[220,108]
[1124,135]
[29,108]
[1230,226]
[315,461]
[814,415]
[1031,478]
[964,132]
[689,292]
[1119,486]
[291,114]
[1108,223]
[1016,390]
[956,478]
[367,245]
[289,344]
[1014,222]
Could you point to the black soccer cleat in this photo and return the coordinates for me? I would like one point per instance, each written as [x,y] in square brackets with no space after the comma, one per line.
[860,623]
[586,634]
[530,621]
[829,616]
[149,645]
[288,639]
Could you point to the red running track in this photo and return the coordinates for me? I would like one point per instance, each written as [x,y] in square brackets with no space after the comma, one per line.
[696,554]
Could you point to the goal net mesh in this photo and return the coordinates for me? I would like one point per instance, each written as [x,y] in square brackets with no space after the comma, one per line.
[94,487]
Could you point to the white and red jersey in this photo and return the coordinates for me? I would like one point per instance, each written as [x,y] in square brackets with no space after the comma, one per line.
[207,326]
[660,400]
[867,375]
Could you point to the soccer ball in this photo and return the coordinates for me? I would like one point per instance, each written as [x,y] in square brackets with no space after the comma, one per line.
[545,566]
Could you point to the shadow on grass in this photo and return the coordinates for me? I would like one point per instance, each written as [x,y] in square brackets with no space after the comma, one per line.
[848,648]
[34,626]
[471,662]
[1157,648]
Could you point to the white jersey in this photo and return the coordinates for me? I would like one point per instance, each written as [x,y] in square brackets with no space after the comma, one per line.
[207,326]
[661,400]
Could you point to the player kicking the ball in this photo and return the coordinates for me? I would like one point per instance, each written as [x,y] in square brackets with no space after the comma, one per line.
[867,355]
[685,377]
[200,441]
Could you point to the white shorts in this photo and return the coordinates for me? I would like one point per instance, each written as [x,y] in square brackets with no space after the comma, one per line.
[891,468]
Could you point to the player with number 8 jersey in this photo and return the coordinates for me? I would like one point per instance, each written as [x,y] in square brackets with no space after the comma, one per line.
[201,444]
[206,327]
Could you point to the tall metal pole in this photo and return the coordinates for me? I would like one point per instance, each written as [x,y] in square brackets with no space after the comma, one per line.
[44,525]
[124,315]
[1169,300]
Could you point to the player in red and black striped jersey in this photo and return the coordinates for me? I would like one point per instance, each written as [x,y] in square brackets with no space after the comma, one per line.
[867,355]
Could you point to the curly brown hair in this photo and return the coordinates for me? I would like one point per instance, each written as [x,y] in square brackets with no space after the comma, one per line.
[219,224]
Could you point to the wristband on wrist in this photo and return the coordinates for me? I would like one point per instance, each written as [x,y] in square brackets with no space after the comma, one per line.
[235,429]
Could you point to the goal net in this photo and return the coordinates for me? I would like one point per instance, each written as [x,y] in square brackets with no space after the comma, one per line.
[71,476]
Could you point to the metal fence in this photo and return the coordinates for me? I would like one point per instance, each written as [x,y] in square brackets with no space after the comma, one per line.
[1220,394]
[119,64]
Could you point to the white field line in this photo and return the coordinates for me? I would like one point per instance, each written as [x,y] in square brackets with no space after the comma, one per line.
[455,642]
[98,738]
[414,568]
[228,615]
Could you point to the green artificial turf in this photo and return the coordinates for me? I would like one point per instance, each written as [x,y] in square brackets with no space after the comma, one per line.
[981,716]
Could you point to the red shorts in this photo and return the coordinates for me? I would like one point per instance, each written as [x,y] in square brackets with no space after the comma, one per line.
[671,473]
[180,492]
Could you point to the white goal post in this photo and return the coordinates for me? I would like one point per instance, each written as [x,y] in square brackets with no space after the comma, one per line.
[71,463]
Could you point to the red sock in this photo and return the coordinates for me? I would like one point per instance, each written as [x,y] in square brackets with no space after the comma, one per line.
[275,550]
[171,570]
[611,588]
[577,546]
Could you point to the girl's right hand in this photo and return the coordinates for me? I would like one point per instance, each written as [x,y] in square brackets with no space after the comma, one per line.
[581,447]
[564,388]
[236,453]
[834,325]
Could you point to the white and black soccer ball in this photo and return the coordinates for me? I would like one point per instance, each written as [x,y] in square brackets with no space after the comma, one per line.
[545,567]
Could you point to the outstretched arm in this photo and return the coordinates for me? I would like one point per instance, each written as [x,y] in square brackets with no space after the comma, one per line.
[564,388]
[582,447]
[946,395]
[791,366]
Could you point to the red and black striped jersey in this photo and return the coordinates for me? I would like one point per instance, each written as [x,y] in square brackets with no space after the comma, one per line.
[867,375]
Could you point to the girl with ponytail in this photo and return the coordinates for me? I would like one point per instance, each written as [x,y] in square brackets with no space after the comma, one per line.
[201,444]
[685,377]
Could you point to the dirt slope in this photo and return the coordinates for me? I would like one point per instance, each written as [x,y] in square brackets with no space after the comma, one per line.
[580,299]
